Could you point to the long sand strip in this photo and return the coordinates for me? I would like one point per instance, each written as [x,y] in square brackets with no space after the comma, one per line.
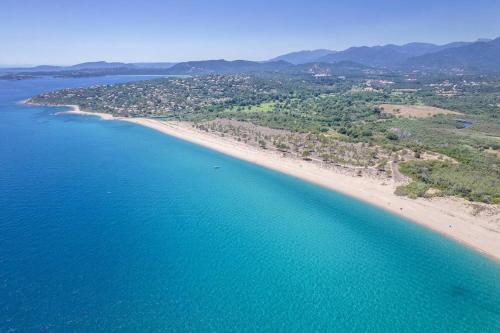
[453,217]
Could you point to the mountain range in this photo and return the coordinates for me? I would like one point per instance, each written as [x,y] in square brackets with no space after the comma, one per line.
[407,56]
[387,55]
[482,55]
[479,56]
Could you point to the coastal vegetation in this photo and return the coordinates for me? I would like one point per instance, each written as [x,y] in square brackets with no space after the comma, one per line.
[441,130]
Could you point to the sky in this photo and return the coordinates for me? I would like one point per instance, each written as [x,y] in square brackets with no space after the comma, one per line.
[66,32]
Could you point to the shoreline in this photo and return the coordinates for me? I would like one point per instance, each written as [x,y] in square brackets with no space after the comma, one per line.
[454,218]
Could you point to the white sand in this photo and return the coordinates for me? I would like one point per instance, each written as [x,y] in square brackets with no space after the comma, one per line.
[475,225]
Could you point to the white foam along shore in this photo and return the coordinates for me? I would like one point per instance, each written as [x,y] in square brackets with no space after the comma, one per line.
[454,218]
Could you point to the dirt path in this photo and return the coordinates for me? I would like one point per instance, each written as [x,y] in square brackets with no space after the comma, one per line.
[397,177]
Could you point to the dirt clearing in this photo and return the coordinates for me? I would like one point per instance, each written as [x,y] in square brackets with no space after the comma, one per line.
[415,111]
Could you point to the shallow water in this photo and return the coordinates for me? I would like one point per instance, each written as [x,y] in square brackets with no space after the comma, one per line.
[108,226]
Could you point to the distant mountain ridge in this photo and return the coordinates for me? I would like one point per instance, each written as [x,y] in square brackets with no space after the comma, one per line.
[94,65]
[388,55]
[482,55]
[226,67]
[303,57]
[100,65]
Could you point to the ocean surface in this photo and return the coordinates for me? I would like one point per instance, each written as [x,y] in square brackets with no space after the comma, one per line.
[106,226]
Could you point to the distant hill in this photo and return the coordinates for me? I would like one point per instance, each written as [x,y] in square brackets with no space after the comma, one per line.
[482,56]
[153,65]
[47,68]
[378,56]
[92,66]
[387,55]
[303,57]
[100,65]
[41,68]
[226,67]
[327,69]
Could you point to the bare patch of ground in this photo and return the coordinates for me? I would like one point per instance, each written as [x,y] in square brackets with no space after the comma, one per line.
[432,192]
[397,176]
[415,111]
[493,152]
[432,156]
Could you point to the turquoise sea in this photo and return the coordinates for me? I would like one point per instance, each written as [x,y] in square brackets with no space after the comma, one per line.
[110,227]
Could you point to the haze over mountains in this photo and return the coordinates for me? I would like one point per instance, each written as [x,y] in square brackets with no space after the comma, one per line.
[482,55]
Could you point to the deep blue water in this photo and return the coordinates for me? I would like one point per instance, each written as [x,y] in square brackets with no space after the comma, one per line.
[111,227]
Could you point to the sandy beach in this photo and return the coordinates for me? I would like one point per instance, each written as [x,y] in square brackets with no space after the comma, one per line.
[475,225]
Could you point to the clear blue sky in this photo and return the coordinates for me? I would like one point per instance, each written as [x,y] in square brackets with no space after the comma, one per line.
[72,31]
